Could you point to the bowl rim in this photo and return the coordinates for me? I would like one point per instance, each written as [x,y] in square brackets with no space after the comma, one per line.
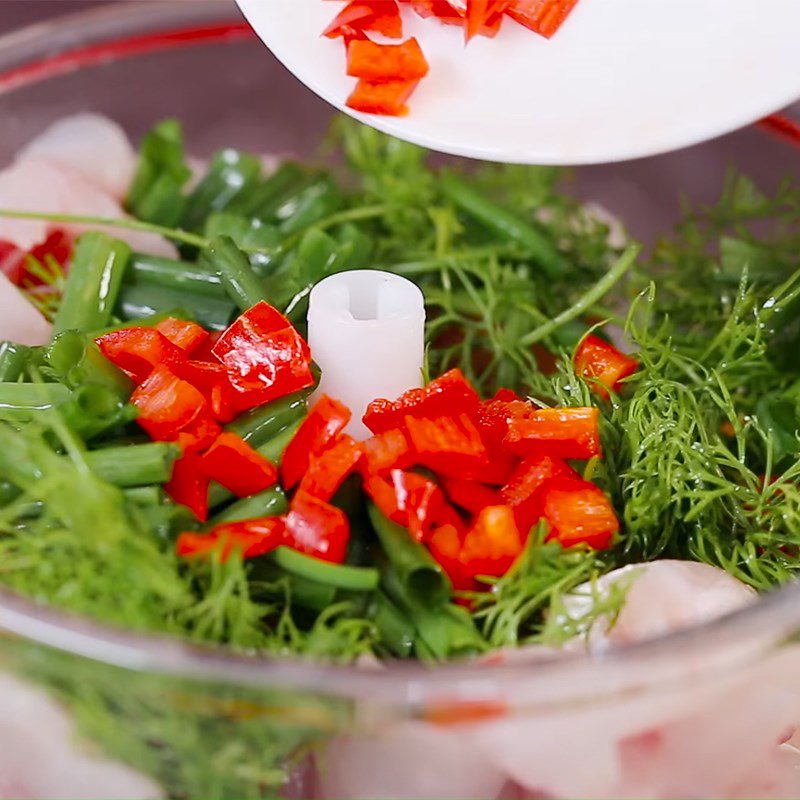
[771,619]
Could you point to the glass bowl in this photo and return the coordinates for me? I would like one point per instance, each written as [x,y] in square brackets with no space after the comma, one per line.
[91,711]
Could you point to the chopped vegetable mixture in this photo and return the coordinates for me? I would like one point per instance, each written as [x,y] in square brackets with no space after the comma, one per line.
[167,462]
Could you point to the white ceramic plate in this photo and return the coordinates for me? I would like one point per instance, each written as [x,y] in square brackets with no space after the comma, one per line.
[621,79]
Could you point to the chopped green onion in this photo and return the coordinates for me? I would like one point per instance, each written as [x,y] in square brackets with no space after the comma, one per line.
[13,360]
[503,223]
[357,579]
[415,567]
[269,503]
[95,277]
[184,276]
[261,424]
[134,465]
[239,280]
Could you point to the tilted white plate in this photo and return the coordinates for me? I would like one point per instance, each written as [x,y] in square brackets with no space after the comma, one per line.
[621,79]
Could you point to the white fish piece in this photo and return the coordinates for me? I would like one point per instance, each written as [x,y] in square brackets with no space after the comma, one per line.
[407,761]
[42,757]
[40,185]
[20,320]
[661,597]
[366,330]
[91,144]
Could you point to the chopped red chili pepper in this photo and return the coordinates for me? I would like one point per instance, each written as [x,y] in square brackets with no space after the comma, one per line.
[578,512]
[211,378]
[493,543]
[189,485]
[186,335]
[522,494]
[382,97]
[421,503]
[137,351]
[386,451]
[484,16]
[450,395]
[167,404]
[557,432]
[205,351]
[382,492]
[441,9]
[328,471]
[200,434]
[265,356]
[445,545]
[377,16]
[386,62]
[541,16]
[317,528]
[231,462]
[603,365]
[449,446]
[470,495]
[494,417]
[325,421]
[252,538]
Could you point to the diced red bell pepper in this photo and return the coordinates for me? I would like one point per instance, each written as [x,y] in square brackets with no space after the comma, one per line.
[484,16]
[167,405]
[450,394]
[522,493]
[199,435]
[211,378]
[602,365]
[445,545]
[265,356]
[386,62]
[470,495]
[232,463]
[494,417]
[252,538]
[557,432]
[388,98]
[444,11]
[448,445]
[541,16]
[205,351]
[493,543]
[189,485]
[137,351]
[578,512]
[385,451]
[506,396]
[382,492]
[376,16]
[325,421]
[328,471]
[317,528]
[182,333]
[421,503]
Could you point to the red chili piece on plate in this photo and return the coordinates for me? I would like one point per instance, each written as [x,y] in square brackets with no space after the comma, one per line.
[382,62]
[541,16]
